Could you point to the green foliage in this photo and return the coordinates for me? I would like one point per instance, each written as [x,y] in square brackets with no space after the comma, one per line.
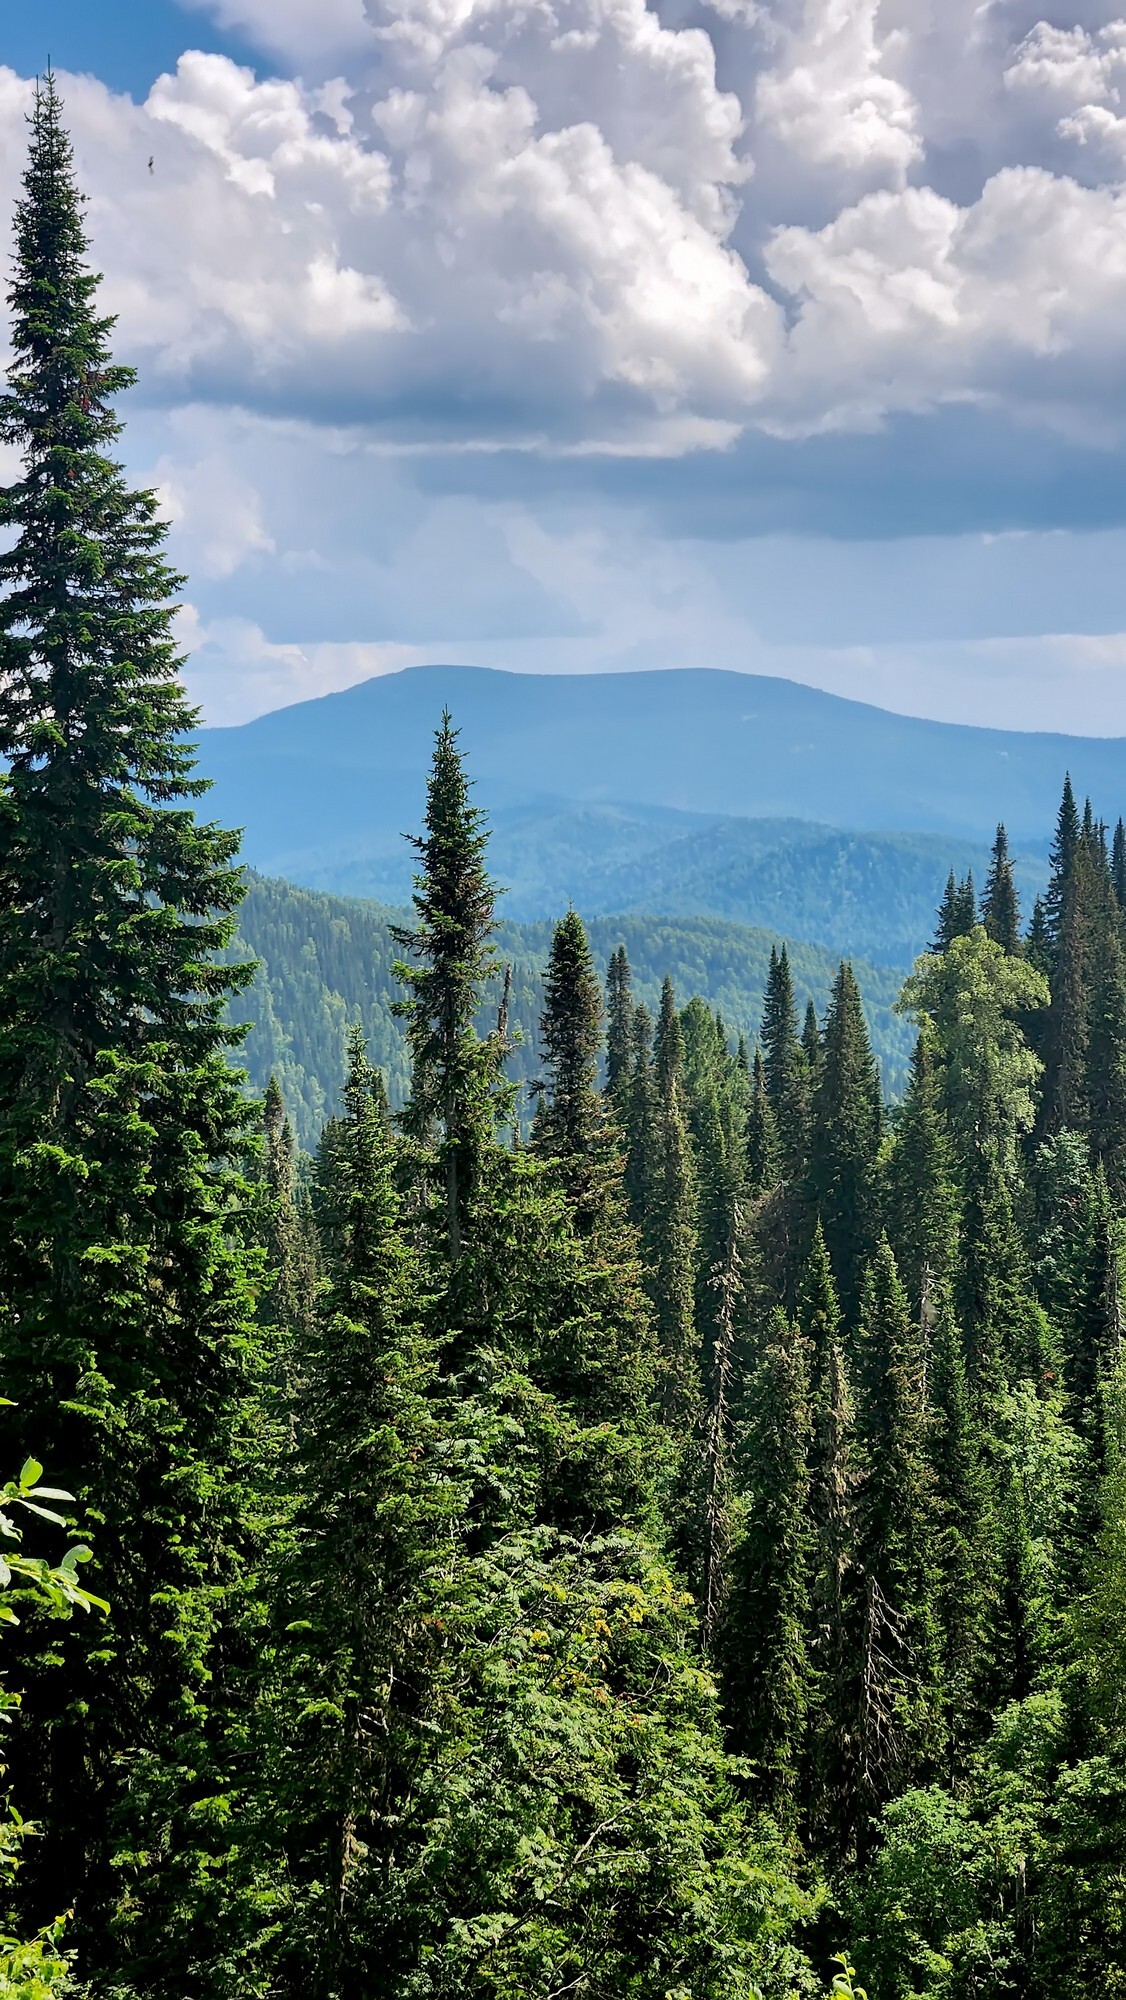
[38,1968]
[840,1182]
[972,998]
[125,1274]
[593,1560]
[325,962]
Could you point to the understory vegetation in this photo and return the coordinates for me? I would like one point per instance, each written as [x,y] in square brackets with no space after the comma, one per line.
[659,1534]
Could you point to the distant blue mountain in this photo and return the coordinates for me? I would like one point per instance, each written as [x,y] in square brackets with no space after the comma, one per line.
[345,774]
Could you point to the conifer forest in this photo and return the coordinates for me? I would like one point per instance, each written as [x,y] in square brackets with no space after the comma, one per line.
[653,1533]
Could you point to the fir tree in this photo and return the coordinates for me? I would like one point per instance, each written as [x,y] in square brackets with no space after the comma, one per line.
[957,912]
[1105,1079]
[640,1119]
[717,1125]
[619,1026]
[1000,905]
[819,1323]
[963,1548]
[835,1603]
[763,1644]
[372,1541]
[811,1044]
[1075,927]
[920,1202]
[1007,1336]
[1065,846]
[1118,864]
[897,1667]
[762,1136]
[670,1238]
[787,1080]
[290,1249]
[572,1130]
[1038,943]
[727,1286]
[845,1138]
[456,1079]
[121,1132]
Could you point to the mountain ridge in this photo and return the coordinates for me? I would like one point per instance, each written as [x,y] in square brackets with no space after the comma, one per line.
[699,740]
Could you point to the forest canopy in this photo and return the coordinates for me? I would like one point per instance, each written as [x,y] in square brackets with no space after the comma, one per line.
[662,1540]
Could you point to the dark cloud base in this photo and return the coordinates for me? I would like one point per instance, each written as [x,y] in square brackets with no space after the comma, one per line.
[955,472]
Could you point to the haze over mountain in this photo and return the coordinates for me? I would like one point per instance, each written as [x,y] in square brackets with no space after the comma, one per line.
[349,767]
[679,793]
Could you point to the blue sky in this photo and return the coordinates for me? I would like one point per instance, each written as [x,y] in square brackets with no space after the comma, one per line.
[578,334]
[127,43]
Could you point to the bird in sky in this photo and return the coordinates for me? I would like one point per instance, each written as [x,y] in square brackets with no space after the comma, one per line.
[152,169]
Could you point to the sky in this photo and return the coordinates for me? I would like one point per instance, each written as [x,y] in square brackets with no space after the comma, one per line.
[578,335]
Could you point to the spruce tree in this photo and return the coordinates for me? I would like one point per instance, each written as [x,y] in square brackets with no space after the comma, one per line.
[716,1118]
[947,915]
[670,1234]
[290,1250]
[897,1663]
[640,1118]
[457,1090]
[1105,1079]
[787,1079]
[1006,1333]
[1118,864]
[1000,905]
[835,1602]
[957,912]
[819,1323]
[811,1044]
[572,1130]
[1038,943]
[364,1578]
[845,1139]
[963,1550]
[829,1772]
[122,1130]
[920,1201]
[1065,846]
[1074,919]
[762,1135]
[763,1643]
[619,1026]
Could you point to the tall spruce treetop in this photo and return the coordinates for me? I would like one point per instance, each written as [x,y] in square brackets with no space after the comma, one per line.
[845,1138]
[1118,864]
[571,1033]
[957,912]
[787,1076]
[114,900]
[780,1044]
[456,1080]
[619,1024]
[573,1128]
[1068,834]
[1000,905]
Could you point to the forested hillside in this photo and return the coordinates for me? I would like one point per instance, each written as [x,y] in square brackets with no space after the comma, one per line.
[325,963]
[864,895]
[671,1546]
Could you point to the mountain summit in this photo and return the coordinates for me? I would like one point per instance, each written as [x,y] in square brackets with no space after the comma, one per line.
[342,774]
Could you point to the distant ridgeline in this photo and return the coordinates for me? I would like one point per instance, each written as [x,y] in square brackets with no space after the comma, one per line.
[326,962]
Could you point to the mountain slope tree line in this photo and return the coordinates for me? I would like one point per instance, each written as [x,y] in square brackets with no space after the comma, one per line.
[636,1545]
